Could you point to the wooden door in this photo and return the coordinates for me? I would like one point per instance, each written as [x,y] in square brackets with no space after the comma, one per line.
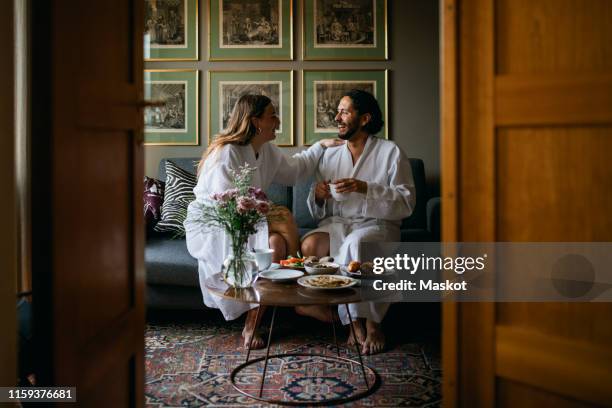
[87,169]
[527,138]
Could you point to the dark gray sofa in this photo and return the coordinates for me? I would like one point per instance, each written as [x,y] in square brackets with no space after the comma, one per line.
[172,274]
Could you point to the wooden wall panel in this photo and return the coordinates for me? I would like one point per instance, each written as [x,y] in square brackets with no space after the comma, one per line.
[554,184]
[553,36]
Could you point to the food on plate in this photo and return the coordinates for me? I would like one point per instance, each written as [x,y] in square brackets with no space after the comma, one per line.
[353,266]
[324,265]
[311,259]
[367,268]
[327,259]
[328,281]
[292,262]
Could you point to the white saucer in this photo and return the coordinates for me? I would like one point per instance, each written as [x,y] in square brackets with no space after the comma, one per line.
[281,275]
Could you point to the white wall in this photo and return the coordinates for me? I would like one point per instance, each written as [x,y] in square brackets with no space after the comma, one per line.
[413,83]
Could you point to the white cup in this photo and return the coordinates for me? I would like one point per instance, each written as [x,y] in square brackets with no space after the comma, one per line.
[263,257]
[337,196]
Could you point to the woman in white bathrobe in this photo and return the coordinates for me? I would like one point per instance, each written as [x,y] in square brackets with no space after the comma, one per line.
[251,126]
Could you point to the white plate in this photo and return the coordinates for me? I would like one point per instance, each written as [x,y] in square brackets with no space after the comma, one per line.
[305,282]
[359,275]
[281,275]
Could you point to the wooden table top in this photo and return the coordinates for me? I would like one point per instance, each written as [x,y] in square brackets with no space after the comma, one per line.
[266,292]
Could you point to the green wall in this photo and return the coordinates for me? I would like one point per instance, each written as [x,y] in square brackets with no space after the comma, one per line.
[414,113]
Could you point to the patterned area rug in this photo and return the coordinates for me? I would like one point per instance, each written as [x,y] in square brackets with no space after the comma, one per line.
[188,365]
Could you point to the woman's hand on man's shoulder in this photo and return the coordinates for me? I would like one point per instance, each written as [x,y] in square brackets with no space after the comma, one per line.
[332,142]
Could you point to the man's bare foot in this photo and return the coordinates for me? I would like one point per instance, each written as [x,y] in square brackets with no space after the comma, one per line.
[322,313]
[375,339]
[251,326]
[360,333]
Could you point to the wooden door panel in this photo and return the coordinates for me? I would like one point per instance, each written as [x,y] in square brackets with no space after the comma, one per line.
[514,394]
[105,233]
[527,125]
[553,36]
[565,320]
[554,184]
[94,234]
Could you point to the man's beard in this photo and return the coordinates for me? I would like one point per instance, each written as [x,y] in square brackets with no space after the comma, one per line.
[349,133]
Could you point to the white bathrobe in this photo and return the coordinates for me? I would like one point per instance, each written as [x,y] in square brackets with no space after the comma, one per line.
[210,246]
[375,216]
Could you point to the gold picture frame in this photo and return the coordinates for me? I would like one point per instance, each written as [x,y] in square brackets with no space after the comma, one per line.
[337,41]
[284,52]
[312,131]
[175,124]
[220,82]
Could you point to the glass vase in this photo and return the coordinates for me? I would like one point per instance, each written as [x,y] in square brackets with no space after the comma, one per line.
[240,267]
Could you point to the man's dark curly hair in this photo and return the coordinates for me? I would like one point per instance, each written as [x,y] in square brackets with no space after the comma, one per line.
[364,102]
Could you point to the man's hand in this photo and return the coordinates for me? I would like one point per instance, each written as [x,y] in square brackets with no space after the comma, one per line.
[350,185]
[331,142]
[322,192]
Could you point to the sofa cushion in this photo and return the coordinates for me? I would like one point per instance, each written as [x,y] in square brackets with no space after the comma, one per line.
[189,164]
[279,194]
[178,195]
[300,208]
[168,263]
[153,198]
[418,219]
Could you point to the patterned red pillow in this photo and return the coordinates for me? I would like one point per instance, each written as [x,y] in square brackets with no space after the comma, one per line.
[153,198]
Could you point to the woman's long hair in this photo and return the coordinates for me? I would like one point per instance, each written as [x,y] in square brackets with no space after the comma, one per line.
[240,130]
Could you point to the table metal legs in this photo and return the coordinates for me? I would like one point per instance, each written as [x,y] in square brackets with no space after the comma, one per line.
[333,323]
[365,377]
[334,401]
[263,376]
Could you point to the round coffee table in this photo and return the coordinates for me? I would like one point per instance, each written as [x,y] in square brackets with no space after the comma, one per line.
[290,294]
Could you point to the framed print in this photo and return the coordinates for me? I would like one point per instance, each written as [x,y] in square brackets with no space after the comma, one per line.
[226,87]
[345,29]
[250,30]
[323,91]
[176,121]
[171,30]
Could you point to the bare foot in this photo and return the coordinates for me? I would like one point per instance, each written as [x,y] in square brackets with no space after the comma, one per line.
[375,339]
[258,341]
[359,333]
[322,313]
[251,326]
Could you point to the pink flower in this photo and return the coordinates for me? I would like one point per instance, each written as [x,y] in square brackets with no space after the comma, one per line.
[245,204]
[263,207]
[257,193]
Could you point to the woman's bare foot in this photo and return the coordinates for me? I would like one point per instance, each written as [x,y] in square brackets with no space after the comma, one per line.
[251,326]
[322,313]
[258,341]
[375,339]
[359,333]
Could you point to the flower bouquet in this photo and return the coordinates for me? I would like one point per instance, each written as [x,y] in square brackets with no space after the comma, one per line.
[238,211]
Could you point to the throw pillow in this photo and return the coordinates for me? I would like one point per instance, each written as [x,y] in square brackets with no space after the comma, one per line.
[153,198]
[178,195]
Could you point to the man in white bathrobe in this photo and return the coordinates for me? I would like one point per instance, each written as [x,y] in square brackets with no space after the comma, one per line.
[374,181]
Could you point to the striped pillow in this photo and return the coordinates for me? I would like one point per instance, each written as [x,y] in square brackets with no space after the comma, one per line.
[178,195]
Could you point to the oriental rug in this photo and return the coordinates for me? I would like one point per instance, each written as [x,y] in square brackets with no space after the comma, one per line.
[188,365]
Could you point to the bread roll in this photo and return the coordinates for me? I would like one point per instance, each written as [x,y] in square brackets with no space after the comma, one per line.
[367,268]
[353,266]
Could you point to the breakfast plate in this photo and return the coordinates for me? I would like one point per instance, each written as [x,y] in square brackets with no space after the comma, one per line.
[281,275]
[327,282]
[344,271]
